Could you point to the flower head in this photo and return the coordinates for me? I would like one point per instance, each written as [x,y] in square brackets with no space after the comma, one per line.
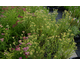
[25,48]
[1,26]
[6,29]
[26,53]
[2,33]
[19,41]
[24,9]
[29,43]
[29,33]
[26,57]
[78,21]
[17,49]
[12,49]
[12,7]
[24,38]
[2,39]
[23,31]
[20,57]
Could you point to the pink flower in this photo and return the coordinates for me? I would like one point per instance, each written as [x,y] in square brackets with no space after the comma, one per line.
[23,31]
[2,39]
[29,33]
[6,28]
[20,57]
[17,49]
[17,46]
[25,48]
[20,43]
[12,49]
[26,53]
[2,12]
[17,21]
[14,25]
[26,57]
[2,33]
[21,16]
[24,9]
[1,26]
[29,43]
[24,38]
[12,7]
[2,16]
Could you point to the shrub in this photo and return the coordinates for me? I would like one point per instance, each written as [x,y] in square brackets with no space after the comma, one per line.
[46,38]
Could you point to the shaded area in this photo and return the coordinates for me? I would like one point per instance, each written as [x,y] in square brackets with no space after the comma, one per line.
[78,50]
[60,11]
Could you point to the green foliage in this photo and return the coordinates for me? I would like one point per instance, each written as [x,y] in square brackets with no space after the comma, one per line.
[39,36]
[74,10]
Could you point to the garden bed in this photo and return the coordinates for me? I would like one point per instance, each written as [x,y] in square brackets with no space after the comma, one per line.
[30,32]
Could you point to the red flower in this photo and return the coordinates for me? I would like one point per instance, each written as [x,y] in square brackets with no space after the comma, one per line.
[17,46]
[15,24]
[26,57]
[12,49]
[17,21]
[20,16]
[12,7]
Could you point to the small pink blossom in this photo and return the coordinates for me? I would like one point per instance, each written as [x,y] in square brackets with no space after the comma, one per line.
[6,28]
[12,49]
[26,53]
[26,57]
[12,7]
[78,21]
[17,21]
[17,49]
[2,16]
[29,33]
[24,38]
[20,57]
[17,46]
[2,12]
[21,16]
[2,39]
[24,9]
[25,48]
[20,41]
[29,43]
[23,31]
[2,33]
[1,26]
